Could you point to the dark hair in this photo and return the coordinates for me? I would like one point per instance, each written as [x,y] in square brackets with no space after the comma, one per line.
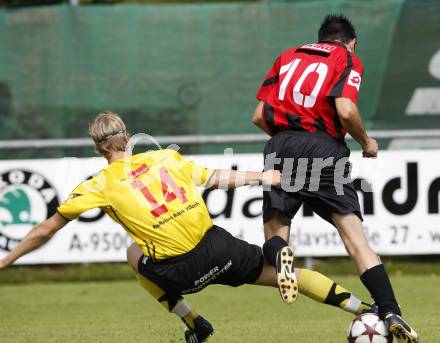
[336,28]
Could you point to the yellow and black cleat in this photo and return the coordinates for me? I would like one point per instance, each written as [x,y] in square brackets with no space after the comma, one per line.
[287,281]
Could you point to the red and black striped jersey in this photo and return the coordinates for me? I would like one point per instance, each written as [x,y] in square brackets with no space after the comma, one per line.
[300,89]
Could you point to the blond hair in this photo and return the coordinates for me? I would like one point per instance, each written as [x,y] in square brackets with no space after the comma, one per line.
[109,133]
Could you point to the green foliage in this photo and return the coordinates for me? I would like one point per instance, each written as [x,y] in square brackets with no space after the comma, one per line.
[121,271]
[157,1]
[29,2]
[67,273]
[94,2]
[115,312]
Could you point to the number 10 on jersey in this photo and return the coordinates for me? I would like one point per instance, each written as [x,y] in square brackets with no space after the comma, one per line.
[305,100]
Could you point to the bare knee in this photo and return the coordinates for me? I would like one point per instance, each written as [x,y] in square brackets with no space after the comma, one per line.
[358,249]
[134,253]
[354,240]
[353,236]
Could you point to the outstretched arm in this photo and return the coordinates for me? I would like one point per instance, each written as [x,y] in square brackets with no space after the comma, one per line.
[226,178]
[39,235]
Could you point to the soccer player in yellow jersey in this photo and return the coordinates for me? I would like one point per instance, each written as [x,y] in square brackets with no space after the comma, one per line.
[177,249]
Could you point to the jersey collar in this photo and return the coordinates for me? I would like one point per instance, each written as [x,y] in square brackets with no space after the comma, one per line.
[333,42]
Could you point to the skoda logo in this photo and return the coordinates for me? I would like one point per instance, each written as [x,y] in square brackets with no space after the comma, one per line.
[26,199]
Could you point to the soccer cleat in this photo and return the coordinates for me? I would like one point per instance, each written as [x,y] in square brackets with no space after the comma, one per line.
[287,282]
[400,329]
[203,329]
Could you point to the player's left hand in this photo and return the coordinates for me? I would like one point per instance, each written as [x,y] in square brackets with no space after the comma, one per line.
[2,264]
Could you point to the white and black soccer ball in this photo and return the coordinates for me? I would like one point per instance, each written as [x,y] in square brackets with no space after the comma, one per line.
[368,328]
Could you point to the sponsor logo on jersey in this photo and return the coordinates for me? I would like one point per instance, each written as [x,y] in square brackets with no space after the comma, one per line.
[26,198]
[319,47]
[354,79]
[139,171]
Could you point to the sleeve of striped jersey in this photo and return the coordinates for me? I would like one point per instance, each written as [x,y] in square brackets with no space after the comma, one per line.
[198,174]
[350,81]
[86,196]
[353,82]
[270,82]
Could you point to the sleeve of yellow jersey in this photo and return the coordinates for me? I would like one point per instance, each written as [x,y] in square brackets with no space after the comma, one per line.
[199,175]
[86,196]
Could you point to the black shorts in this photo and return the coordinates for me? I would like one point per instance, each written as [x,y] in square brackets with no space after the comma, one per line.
[219,258]
[325,195]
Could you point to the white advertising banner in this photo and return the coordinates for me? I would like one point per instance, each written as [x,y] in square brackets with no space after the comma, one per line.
[401,214]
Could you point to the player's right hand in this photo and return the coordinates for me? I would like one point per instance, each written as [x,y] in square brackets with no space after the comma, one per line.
[272,178]
[370,149]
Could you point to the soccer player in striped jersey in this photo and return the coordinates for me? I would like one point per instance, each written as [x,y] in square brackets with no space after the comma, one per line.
[307,103]
[177,248]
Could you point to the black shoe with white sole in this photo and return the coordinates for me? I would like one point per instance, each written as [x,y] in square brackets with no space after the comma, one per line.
[203,329]
[400,329]
[373,308]
[287,282]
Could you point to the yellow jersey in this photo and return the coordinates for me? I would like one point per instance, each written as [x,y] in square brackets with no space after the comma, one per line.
[153,196]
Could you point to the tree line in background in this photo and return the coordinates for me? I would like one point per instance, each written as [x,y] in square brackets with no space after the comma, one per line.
[14,3]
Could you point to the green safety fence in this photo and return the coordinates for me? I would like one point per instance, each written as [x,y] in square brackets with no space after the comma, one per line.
[194,68]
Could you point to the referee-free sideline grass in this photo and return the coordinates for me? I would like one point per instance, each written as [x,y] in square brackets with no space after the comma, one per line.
[120,311]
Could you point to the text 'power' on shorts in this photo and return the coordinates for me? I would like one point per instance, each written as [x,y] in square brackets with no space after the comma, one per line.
[219,258]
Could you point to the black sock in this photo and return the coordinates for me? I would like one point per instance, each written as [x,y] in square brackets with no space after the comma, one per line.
[271,248]
[378,284]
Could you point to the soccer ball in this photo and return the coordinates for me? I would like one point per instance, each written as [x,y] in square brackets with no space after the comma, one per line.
[368,328]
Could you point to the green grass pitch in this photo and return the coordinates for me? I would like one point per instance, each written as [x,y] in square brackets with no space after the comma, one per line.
[121,311]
